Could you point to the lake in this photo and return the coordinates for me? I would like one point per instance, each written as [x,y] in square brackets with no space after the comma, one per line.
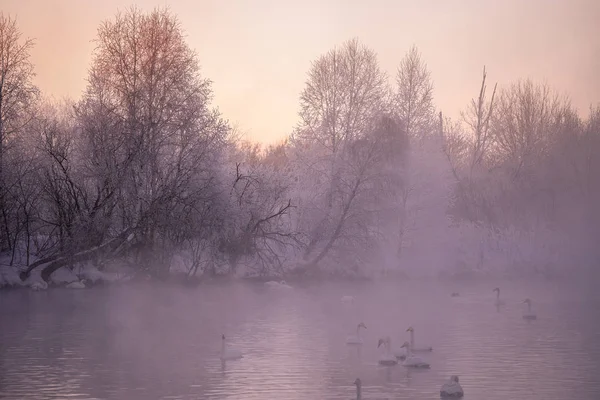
[152,341]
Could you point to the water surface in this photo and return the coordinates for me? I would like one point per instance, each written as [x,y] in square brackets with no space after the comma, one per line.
[162,342]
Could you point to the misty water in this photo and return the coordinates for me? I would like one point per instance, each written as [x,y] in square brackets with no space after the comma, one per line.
[149,341]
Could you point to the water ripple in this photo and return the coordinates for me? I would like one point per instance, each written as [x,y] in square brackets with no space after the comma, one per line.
[163,342]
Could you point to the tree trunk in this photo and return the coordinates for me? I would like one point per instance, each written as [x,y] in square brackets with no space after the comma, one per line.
[339,227]
[55,262]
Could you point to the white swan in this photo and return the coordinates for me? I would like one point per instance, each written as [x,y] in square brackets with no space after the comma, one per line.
[452,389]
[412,360]
[386,358]
[529,315]
[400,353]
[412,342]
[356,339]
[358,384]
[498,301]
[347,299]
[228,353]
[278,285]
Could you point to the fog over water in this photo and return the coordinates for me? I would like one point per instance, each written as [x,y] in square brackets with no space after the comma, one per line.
[163,342]
[151,248]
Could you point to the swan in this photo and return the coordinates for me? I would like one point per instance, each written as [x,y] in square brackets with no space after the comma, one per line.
[411,360]
[228,353]
[400,353]
[356,339]
[278,285]
[386,358]
[452,389]
[358,384]
[412,342]
[529,315]
[347,299]
[498,301]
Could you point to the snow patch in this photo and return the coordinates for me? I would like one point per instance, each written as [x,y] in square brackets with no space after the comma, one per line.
[63,276]
[94,275]
[76,285]
[38,285]
[9,276]
[35,281]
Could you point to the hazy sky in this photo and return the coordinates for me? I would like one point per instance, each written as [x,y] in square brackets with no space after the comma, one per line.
[257,52]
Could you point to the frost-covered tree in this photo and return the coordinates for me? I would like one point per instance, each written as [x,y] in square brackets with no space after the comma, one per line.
[137,162]
[258,230]
[524,125]
[520,164]
[339,148]
[349,232]
[148,125]
[413,100]
[17,98]
[477,117]
[423,200]
[345,91]
[468,147]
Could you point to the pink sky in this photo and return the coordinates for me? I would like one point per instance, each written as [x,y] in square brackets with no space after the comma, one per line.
[257,52]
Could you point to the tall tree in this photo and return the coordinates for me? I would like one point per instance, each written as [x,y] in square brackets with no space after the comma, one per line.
[414,110]
[414,95]
[524,125]
[345,92]
[147,124]
[477,117]
[340,143]
[17,93]
[469,153]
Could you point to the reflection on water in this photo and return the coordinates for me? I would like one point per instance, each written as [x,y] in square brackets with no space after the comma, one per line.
[160,342]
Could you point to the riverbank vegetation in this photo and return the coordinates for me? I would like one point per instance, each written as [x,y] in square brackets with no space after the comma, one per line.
[143,176]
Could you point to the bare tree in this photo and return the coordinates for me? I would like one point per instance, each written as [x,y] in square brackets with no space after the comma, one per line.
[138,166]
[469,151]
[345,96]
[477,117]
[22,196]
[67,210]
[521,172]
[345,91]
[258,228]
[522,127]
[58,175]
[368,179]
[414,111]
[17,93]
[413,102]
[591,159]
[146,86]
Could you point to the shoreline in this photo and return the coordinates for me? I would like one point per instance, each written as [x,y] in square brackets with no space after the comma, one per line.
[100,278]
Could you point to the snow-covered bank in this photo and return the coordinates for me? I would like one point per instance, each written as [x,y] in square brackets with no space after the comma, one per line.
[464,252]
[78,278]
[9,277]
[90,276]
